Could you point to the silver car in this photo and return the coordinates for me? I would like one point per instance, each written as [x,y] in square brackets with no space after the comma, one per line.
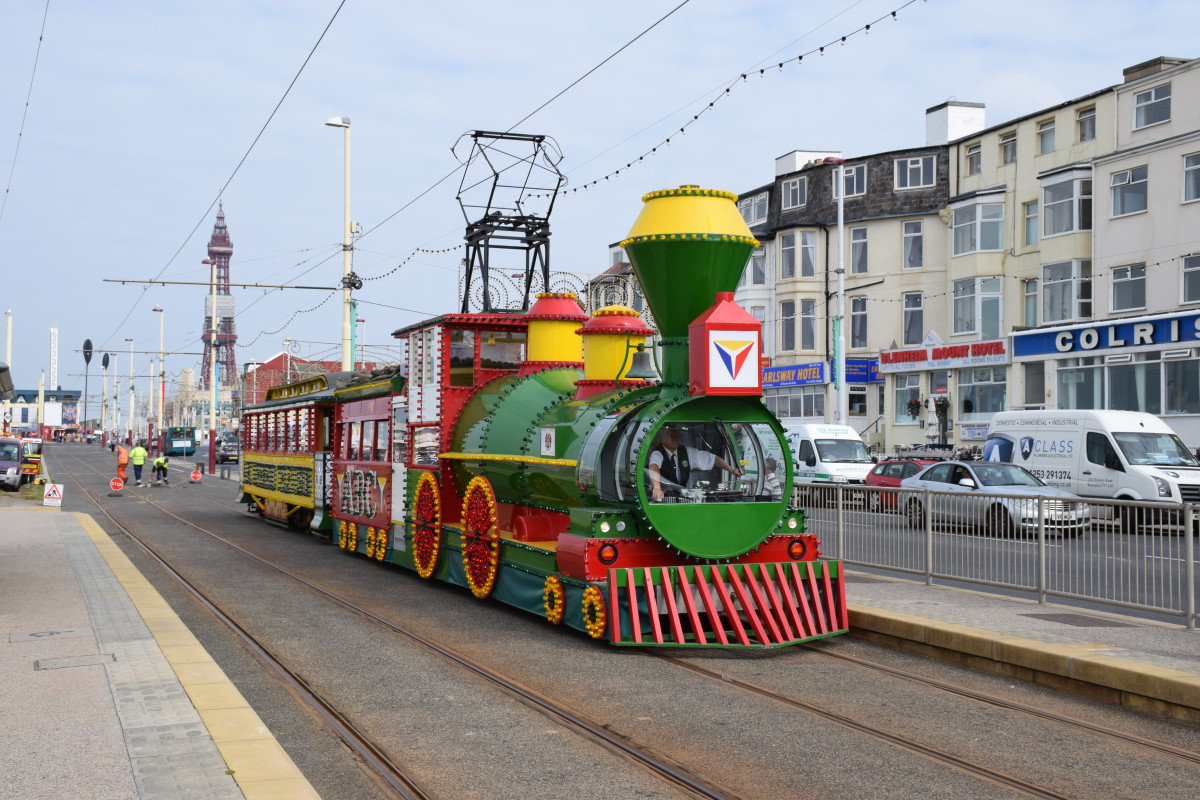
[1000,499]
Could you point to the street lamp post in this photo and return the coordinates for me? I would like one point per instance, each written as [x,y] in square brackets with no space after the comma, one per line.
[212,366]
[104,429]
[87,369]
[841,415]
[347,247]
[132,417]
[362,347]
[162,382]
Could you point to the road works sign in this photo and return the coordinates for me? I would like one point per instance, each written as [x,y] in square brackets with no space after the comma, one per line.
[52,495]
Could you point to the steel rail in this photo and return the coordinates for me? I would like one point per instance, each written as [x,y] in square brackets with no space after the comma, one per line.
[933,753]
[1010,705]
[395,777]
[668,771]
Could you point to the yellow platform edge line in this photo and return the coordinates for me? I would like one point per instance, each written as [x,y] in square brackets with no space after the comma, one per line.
[237,735]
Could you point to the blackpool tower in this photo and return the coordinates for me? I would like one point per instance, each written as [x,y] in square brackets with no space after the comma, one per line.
[220,248]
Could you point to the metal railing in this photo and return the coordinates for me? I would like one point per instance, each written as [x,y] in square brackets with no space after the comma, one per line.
[1125,554]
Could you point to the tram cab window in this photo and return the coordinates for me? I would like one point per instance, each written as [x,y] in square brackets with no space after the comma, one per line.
[381,440]
[349,449]
[462,358]
[399,434]
[698,462]
[501,349]
[367,453]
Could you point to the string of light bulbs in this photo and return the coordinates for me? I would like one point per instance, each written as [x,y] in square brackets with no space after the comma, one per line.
[290,319]
[725,93]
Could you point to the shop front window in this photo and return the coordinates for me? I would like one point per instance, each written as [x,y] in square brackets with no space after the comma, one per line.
[981,393]
[1183,384]
[1136,385]
[908,387]
[1080,383]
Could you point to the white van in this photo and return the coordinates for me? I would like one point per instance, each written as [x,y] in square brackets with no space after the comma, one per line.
[827,453]
[1122,455]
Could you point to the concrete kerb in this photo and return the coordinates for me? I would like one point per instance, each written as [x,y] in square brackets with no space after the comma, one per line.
[1087,669]
[257,762]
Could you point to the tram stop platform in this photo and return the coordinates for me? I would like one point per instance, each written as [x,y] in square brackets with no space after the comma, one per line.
[104,691]
[1150,666]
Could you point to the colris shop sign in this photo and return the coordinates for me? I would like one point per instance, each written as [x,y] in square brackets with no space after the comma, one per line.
[1147,333]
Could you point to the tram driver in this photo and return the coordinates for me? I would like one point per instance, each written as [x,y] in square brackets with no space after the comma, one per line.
[671,464]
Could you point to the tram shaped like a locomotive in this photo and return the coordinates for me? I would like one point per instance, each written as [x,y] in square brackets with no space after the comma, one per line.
[516,455]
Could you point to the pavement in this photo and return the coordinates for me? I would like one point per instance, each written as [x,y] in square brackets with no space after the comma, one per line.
[105,693]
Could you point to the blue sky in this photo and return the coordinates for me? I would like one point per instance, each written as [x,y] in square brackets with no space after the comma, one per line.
[140,112]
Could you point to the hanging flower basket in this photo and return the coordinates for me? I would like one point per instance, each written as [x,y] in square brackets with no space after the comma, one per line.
[914,408]
[942,406]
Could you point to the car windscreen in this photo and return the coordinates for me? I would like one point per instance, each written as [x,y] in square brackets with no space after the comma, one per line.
[846,451]
[1005,475]
[9,452]
[1155,449]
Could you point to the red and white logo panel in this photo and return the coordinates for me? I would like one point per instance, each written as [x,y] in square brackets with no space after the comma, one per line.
[733,359]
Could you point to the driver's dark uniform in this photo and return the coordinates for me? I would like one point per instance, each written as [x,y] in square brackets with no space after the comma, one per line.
[674,469]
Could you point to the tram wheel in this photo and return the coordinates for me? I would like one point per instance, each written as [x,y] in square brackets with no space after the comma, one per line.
[427,525]
[481,541]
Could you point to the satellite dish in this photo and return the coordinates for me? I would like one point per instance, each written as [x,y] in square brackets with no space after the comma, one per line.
[87,351]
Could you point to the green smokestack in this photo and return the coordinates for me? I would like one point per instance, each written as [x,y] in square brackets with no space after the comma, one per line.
[686,245]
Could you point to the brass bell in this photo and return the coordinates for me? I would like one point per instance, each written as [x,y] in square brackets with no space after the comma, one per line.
[640,367]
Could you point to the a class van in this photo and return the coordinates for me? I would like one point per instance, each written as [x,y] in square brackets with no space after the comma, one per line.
[1122,455]
[825,453]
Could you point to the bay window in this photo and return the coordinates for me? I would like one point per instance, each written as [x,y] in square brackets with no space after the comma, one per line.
[808,324]
[1067,291]
[808,254]
[787,256]
[977,306]
[978,228]
[1067,207]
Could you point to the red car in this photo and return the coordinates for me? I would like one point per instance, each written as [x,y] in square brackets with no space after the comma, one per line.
[888,474]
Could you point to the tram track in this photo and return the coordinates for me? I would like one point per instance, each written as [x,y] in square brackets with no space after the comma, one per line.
[955,689]
[375,757]
[992,700]
[398,781]
[675,773]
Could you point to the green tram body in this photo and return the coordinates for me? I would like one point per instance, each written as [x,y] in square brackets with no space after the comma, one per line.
[476,465]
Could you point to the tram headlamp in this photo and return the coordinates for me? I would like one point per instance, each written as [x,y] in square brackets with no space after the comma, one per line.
[604,527]
[620,526]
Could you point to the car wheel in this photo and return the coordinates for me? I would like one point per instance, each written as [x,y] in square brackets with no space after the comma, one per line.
[916,514]
[999,523]
[1132,519]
